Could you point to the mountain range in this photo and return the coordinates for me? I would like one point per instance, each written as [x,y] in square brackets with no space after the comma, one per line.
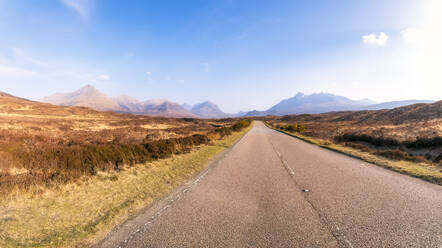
[88,96]
[324,102]
[316,103]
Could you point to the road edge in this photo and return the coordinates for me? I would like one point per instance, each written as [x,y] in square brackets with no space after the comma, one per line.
[383,163]
[132,225]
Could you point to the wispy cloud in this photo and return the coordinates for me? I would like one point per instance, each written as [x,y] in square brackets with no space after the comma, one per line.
[375,40]
[148,73]
[22,56]
[103,77]
[9,71]
[83,7]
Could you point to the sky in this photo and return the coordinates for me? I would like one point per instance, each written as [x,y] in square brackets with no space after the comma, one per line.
[241,55]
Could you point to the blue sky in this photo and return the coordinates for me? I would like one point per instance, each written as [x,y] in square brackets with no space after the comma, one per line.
[241,55]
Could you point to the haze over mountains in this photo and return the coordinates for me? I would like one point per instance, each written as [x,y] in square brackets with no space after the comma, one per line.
[88,96]
[316,103]
[324,102]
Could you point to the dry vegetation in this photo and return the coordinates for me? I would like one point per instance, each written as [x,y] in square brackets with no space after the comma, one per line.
[43,144]
[78,214]
[411,135]
[68,175]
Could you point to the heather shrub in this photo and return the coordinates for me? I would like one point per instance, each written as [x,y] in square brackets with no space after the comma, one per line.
[397,154]
[424,143]
[367,139]
[43,159]
[292,127]
[240,125]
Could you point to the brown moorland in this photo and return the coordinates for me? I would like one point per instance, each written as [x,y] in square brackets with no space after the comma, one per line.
[411,133]
[44,144]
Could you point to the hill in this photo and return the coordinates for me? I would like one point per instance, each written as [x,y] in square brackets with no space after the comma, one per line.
[162,107]
[208,110]
[88,96]
[403,123]
[129,104]
[411,133]
[394,104]
[318,103]
[312,104]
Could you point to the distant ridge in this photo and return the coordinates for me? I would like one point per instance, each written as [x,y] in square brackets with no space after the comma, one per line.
[88,96]
[129,104]
[208,110]
[325,102]
[394,104]
[312,104]
[406,114]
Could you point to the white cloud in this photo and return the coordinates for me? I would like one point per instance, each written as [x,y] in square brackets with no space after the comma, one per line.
[148,73]
[103,77]
[83,7]
[375,40]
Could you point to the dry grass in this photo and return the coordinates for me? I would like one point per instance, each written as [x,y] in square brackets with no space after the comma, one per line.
[70,174]
[410,135]
[76,214]
[426,171]
[43,144]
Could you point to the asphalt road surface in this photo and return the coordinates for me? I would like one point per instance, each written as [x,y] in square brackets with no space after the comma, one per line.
[253,196]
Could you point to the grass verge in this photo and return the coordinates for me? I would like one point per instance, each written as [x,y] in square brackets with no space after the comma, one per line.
[428,172]
[78,214]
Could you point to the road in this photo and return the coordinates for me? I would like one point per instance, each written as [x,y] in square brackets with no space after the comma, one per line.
[253,196]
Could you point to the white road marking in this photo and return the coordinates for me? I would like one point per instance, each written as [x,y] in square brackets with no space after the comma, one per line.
[337,233]
[179,195]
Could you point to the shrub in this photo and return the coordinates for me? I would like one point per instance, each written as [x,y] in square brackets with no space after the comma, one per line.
[368,139]
[438,158]
[397,154]
[49,160]
[292,127]
[240,125]
[424,143]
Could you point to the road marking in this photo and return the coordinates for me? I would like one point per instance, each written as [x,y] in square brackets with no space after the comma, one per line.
[168,205]
[340,234]
[179,195]
[330,225]
[283,161]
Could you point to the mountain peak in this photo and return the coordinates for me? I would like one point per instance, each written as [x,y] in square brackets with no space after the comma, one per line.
[156,101]
[87,88]
[87,96]
[207,109]
[300,94]
[207,103]
[314,103]
[125,98]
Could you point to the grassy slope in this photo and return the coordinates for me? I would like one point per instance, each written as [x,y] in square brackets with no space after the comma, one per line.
[78,214]
[424,171]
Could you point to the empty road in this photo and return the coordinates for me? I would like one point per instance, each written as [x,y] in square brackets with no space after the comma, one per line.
[252,196]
